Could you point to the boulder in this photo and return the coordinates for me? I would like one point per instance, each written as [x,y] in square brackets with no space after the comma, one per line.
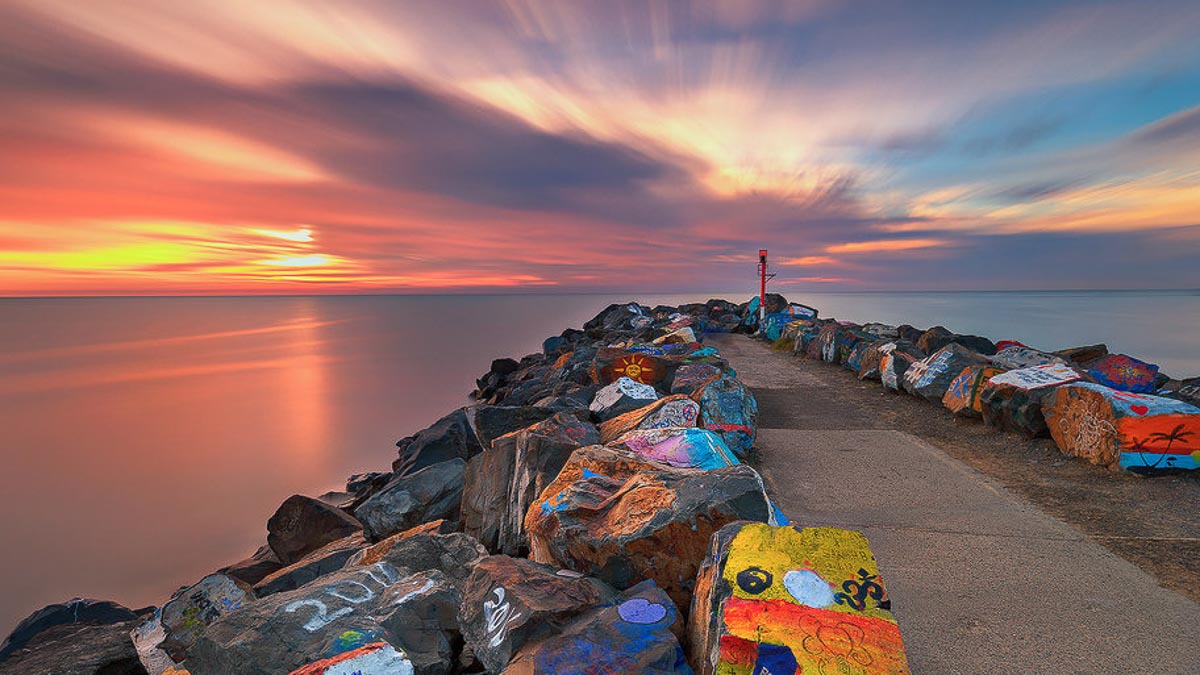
[789,600]
[370,659]
[692,376]
[881,331]
[76,649]
[1019,356]
[409,500]
[612,363]
[871,362]
[1012,401]
[1083,356]
[681,447]
[380,602]
[931,376]
[1125,373]
[962,397]
[728,408]
[493,421]
[934,339]
[503,481]
[615,318]
[892,368]
[77,611]
[635,635]
[508,602]
[329,558]
[255,568]
[146,637]
[621,397]
[421,550]
[1120,430]
[186,615]
[681,335]
[302,525]
[675,410]
[1187,391]
[653,523]
[452,437]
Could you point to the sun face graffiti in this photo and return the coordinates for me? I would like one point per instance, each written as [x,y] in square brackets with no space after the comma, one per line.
[637,368]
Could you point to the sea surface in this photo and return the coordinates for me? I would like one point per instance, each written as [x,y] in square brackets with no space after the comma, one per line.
[145,441]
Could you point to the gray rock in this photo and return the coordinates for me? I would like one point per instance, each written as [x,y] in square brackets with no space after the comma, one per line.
[78,611]
[329,558]
[452,437]
[453,554]
[255,568]
[185,616]
[409,500]
[76,649]
[302,525]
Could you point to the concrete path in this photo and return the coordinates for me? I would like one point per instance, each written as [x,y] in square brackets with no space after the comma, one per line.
[981,581]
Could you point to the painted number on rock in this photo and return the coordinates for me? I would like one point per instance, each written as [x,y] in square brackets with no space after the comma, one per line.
[499,616]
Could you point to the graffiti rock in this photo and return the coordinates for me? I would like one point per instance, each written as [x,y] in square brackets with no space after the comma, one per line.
[870,364]
[892,367]
[682,447]
[675,410]
[82,648]
[1014,409]
[789,600]
[329,558]
[432,493]
[302,525]
[375,658]
[931,376]
[338,613]
[1187,391]
[651,524]
[1083,356]
[729,409]
[454,553]
[255,568]
[508,602]
[683,335]
[692,376]
[452,437]
[612,363]
[1120,430]
[185,616]
[1019,356]
[637,634]
[1037,377]
[614,318]
[80,611]
[620,397]
[962,397]
[1124,373]
[504,480]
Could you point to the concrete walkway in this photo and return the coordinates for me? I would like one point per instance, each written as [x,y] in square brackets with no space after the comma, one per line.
[981,581]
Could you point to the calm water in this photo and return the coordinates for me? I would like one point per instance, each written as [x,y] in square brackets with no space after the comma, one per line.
[147,440]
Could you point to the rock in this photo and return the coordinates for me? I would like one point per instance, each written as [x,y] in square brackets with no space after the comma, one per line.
[1083,356]
[454,553]
[881,331]
[676,410]
[329,558]
[682,447]
[684,335]
[621,397]
[892,367]
[934,339]
[962,397]
[302,525]
[186,615]
[508,602]
[338,613]
[931,377]
[612,363]
[692,376]
[409,500]
[362,482]
[1125,373]
[790,600]
[493,421]
[77,611]
[1037,377]
[452,437]
[634,636]
[1187,391]
[1013,400]
[504,367]
[976,343]
[76,649]
[1020,356]
[1120,430]
[146,637]
[622,520]
[502,482]
[376,658]
[871,363]
[613,318]
[728,408]
[255,568]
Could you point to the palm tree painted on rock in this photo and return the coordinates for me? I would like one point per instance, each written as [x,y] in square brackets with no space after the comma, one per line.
[1176,434]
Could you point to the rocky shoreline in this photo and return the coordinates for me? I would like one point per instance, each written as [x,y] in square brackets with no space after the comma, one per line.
[591,512]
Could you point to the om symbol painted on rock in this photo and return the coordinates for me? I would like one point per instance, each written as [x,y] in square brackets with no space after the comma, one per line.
[855,592]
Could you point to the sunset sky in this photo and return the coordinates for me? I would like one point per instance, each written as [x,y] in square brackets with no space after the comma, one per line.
[292,146]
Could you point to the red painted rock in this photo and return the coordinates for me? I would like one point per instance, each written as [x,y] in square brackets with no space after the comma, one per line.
[376,658]
[962,398]
[622,520]
[728,408]
[432,493]
[503,481]
[789,600]
[620,397]
[185,617]
[508,602]
[931,376]
[612,363]
[1138,433]
[676,410]
[302,525]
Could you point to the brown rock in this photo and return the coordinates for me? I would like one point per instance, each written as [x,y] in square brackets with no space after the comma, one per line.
[302,525]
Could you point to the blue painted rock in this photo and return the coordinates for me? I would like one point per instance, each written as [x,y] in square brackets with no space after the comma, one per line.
[692,376]
[728,408]
[376,658]
[508,602]
[963,396]
[302,525]
[1120,430]
[681,447]
[1012,401]
[931,376]
[186,615]
[622,519]
[632,635]
[1124,373]
[432,493]
[621,397]
[676,410]
[785,600]
[1020,356]
[502,482]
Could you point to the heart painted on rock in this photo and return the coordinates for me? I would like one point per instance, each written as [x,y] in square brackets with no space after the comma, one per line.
[1139,409]
[641,611]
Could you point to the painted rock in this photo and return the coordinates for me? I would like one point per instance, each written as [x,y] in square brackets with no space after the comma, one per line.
[613,363]
[503,481]
[675,410]
[871,362]
[651,524]
[1037,377]
[1124,373]
[454,554]
[728,408]
[892,367]
[848,339]
[1187,391]
[931,376]
[329,558]
[620,397]
[409,500]
[302,525]
[692,376]
[615,317]
[186,615]
[1012,401]
[1014,356]
[682,447]
[1138,433]
[682,335]
[146,637]
[376,658]
[962,398]
[785,600]
[452,437]
[338,613]
[632,635]
[508,602]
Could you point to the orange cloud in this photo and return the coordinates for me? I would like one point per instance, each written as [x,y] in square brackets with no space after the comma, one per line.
[810,260]
[886,245]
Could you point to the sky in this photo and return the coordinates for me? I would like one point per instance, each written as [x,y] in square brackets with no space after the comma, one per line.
[294,146]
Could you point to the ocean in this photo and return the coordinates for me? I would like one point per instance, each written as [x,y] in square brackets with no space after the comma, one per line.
[147,440]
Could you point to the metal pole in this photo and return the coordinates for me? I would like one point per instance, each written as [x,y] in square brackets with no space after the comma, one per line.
[762,289]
